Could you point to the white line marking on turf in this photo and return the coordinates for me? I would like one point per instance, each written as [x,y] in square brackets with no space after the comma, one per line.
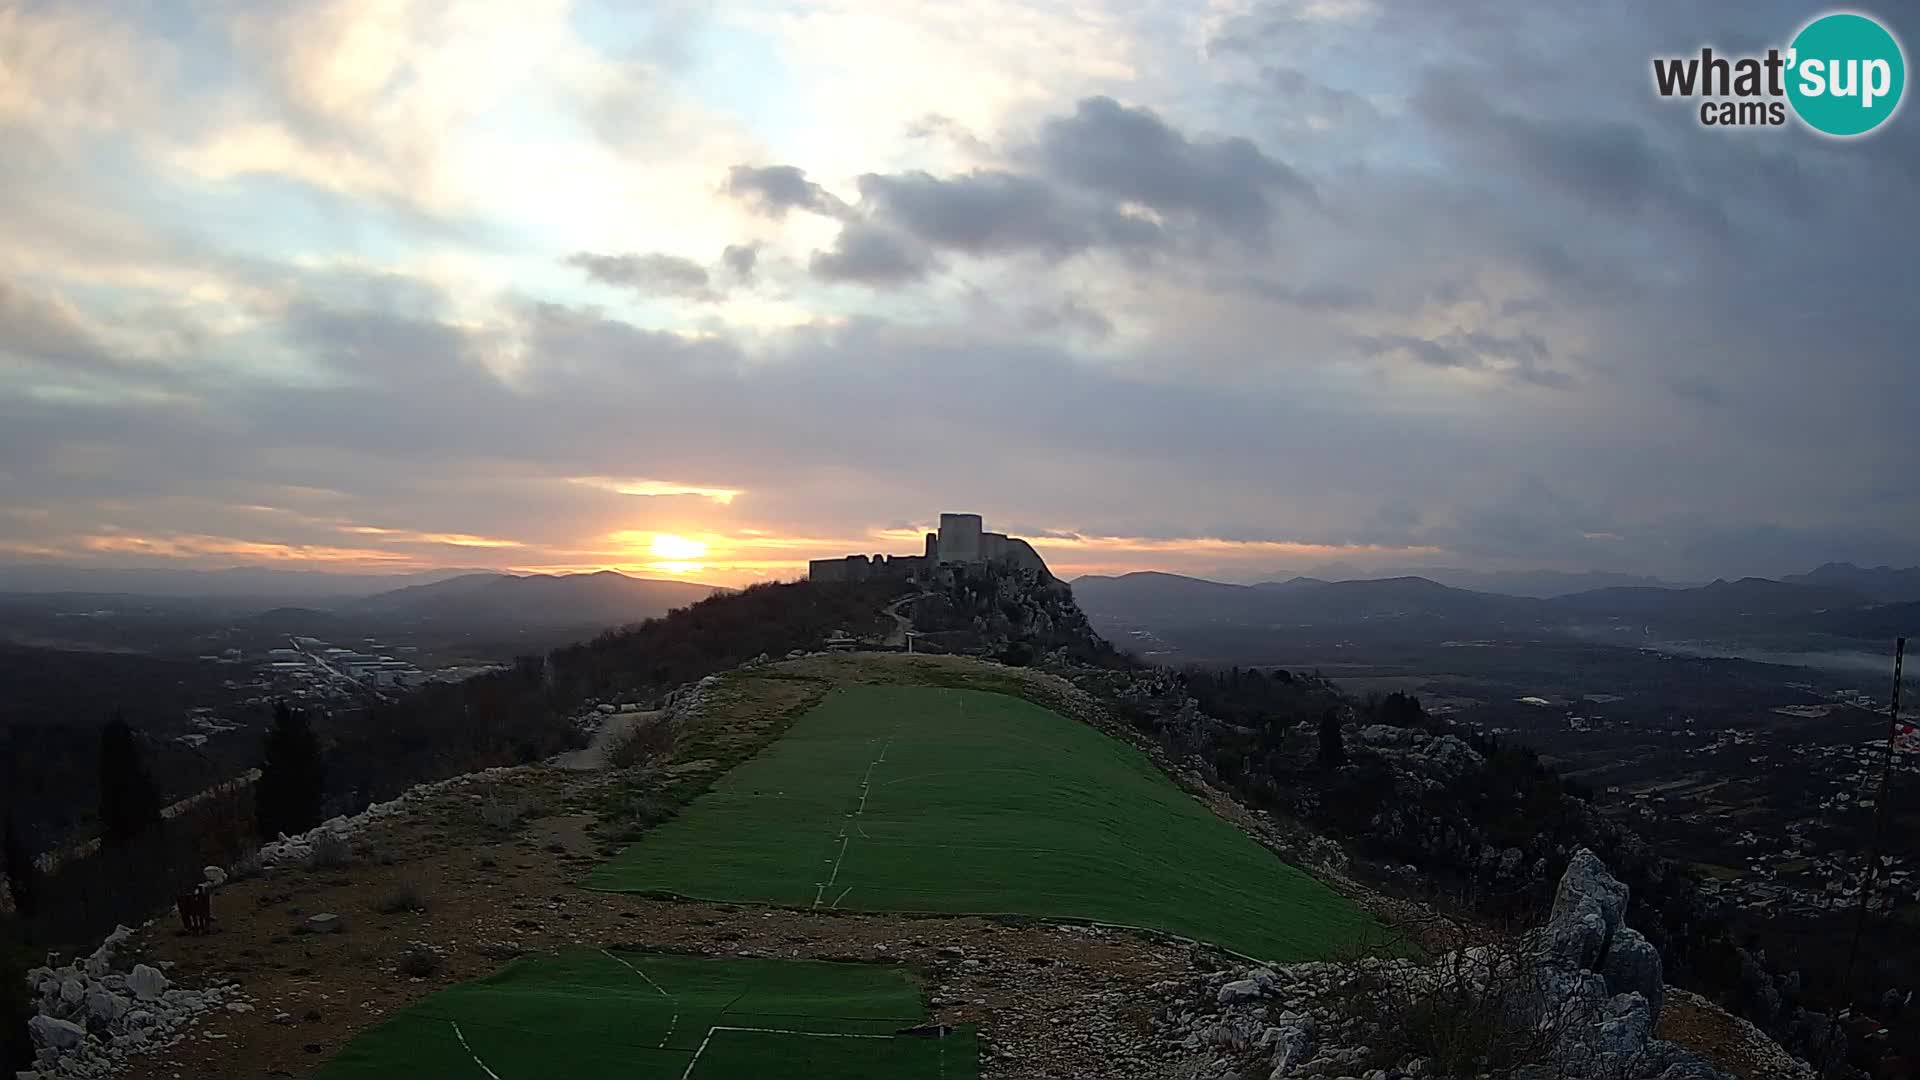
[458,1034]
[671,1024]
[767,1031]
[843,896]
[866,788]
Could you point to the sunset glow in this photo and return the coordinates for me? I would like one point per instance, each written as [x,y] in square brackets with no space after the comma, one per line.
[677,548]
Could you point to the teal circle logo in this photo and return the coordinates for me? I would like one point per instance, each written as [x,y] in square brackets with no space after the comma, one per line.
[1845,74]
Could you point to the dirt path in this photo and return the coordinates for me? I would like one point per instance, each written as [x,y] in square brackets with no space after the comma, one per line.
[611,733]
[902,624]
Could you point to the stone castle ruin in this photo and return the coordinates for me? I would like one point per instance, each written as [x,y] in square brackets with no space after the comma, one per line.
[960,540]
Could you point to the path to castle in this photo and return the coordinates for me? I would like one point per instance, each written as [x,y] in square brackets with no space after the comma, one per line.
[902,623]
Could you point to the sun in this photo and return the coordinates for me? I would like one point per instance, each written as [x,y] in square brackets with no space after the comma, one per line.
[677,548]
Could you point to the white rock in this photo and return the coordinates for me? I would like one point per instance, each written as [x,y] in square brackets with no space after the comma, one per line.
[57,1034]
[106,1006]
[146,982]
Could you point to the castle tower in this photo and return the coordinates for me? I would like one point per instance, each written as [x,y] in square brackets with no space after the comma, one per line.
[960,538]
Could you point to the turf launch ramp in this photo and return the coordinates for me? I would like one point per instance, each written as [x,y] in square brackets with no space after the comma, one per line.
[952,801]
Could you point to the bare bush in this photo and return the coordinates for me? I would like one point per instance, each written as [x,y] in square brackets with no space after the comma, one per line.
[499,813]
[402,899]
[643,745]
[1472,1011]
[244,866]
[420,962]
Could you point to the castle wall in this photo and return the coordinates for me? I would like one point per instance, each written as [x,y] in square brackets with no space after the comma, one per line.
[960,539]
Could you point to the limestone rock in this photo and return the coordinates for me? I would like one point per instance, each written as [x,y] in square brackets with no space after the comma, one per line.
[146,982]
[1632,965]
[325,923]
[56,1034]
[1239,991]
[1588,907]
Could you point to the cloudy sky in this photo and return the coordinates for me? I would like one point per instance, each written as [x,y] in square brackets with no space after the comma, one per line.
[1215,286]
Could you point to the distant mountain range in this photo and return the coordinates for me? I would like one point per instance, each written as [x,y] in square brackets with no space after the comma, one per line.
[1542,584]
[238,582]
[605,598]
[1422,606]
[476,600]
[1882,583]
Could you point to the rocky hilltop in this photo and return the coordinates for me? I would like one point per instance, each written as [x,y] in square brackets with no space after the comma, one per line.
[321,936]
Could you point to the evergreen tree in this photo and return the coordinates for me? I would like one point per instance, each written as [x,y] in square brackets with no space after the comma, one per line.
[129,803]
[293,776]
[1333,752]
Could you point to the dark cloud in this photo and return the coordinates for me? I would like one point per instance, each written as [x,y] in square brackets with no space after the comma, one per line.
[1093,172]
[1069,315]
[1612,165]
[980,213]
[1521,356]
[776,189]
[649,275]
[867,254]
[1321,296]
[1133,155]
[741,259]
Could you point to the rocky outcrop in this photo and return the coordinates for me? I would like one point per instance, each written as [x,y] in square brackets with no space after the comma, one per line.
[1577,999]
[93,1014]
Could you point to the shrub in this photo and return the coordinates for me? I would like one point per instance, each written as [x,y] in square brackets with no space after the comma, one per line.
[420,962]
[1467,1012]
[643,745]
[331,851]
[244,866]
[404,898]
[498,813]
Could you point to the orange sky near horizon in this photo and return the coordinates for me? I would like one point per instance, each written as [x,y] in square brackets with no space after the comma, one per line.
[721,557]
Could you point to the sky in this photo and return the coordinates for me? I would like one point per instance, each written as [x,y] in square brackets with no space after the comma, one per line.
[1225,287]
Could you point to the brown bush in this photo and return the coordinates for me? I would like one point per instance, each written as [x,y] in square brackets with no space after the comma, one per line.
[645,744]
[402,899]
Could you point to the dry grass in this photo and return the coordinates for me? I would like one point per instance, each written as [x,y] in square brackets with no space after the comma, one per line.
[330,852]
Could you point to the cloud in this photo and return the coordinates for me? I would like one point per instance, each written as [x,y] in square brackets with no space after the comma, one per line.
[776,189]
[656,488]
[1612,165]
[740,260]
[649,275]
[867,254]
[1133,155]
[1520,356]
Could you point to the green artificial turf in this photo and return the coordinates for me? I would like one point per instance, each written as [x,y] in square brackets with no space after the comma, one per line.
[917,799]
[589,1014]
